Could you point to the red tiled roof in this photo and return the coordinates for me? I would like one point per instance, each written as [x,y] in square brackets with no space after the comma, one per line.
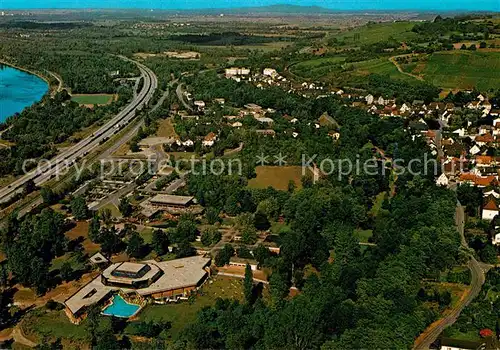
[491,205]
[484,181]
[484,159]
[484,138]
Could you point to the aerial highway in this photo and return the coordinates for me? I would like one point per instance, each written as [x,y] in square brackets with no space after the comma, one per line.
[68,157]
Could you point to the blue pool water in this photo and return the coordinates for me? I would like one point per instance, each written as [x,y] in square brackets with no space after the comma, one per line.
[18,90]
[120,308]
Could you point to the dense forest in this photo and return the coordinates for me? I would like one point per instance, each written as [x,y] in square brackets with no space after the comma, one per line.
[81,72]
[222,39]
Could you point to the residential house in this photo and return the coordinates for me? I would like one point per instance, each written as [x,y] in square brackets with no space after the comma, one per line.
[266,132]
[482,140]
[490,209]
[484,161]
[209,140]
[369,99]
[491,193]
[496,239]
[474,150]
[269,72]
[199,104]
[442,180]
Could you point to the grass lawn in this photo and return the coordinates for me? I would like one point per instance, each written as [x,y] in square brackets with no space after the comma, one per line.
[165,128]
[57,262]
[276,177]
[463,69]
[184,313]
[147,235]
[375,32]
[377,204]
[82,230]
[363,235]
[114,210]
[93,99]
[471,335]
[42,323]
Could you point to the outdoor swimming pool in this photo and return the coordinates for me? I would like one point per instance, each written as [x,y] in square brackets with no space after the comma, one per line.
[120,308]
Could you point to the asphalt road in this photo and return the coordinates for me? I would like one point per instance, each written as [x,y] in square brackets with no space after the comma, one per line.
[179,91]
[71,155]
[432,332]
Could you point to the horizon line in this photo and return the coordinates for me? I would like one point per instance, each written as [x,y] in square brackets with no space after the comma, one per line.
[391,9]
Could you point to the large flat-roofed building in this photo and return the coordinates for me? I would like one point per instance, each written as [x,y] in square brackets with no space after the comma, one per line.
[148,279]
[168,200]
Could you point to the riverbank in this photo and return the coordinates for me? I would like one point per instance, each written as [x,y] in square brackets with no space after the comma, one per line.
[19,89]
[52,88]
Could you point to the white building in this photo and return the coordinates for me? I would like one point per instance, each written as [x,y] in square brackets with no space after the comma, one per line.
[200,104]
[442,180]
[490,210]
[496,239]
[369,99]
[270,72]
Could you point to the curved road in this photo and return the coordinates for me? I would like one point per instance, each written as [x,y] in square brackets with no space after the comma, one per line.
[432,332]
[70,156]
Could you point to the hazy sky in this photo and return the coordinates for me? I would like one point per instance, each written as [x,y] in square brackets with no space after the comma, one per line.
[490,5]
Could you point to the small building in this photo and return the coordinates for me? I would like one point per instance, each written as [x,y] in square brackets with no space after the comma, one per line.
[200,104]
[98,259]
[169,200]
[269,72]
[242,263]
[209,140]
[496,239]
[490,209]
[266,132]
[442,180]
[265,120]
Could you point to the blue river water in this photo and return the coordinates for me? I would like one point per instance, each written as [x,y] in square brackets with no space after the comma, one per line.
[18,90]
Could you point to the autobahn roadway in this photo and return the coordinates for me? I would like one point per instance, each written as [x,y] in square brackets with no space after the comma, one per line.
[70,156]
[477,270]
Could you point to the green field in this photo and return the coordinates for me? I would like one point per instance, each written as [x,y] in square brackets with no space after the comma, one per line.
[376,32]
[317,67]
[380,66]
[93,99]
[464,70]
